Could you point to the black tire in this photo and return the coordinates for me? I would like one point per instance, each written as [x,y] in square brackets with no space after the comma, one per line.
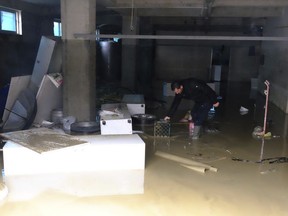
[85,127]
[143,119]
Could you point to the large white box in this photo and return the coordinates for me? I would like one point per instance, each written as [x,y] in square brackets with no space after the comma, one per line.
[105,165]
[115,119]
[99,153]
[135,103]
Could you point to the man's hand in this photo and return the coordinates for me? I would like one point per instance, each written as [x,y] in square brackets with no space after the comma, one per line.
[167,118]
[216,104]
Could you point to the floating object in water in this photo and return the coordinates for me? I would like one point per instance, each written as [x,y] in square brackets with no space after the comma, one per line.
[186,161]
[269,160]
[195,168]
[243,110]
[268,134]
[259,133]
[268,171]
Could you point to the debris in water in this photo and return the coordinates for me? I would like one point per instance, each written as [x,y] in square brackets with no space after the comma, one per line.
[269,160]
[268,171]
[243,110]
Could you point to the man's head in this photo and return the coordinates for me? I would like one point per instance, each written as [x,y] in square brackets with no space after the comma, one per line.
[176,87]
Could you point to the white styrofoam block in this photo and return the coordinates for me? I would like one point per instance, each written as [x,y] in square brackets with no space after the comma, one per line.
[116,182]
[105,165]
[111,152]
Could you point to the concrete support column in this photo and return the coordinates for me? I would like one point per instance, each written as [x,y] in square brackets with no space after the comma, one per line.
[79,57]
[129,52]
[145,66]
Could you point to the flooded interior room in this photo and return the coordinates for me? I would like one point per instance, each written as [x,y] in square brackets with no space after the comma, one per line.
[143,107]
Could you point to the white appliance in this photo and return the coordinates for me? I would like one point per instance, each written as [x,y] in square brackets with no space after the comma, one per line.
[115,119]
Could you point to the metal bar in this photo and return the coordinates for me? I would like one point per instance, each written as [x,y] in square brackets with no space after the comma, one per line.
[178,37]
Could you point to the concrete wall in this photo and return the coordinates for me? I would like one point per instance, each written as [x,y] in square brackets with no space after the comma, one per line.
[243,65]
[179,62]
[275,57]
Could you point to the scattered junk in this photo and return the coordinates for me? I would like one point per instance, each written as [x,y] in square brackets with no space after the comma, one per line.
[42,149]
[67,122]
[22,103]
[57,116]
[187,163]
[276,160]
[258,133]
[265,160]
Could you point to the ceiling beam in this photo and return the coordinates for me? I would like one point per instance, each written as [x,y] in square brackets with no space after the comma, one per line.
[178,37]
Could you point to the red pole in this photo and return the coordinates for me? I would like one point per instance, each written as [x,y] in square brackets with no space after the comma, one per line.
[266,92]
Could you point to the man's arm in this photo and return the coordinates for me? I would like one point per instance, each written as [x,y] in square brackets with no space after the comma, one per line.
[216,104]
[174,106]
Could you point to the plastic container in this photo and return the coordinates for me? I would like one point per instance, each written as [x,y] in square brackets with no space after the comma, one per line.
[57,116]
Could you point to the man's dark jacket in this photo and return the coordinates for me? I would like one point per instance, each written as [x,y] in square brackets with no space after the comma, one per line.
[196,90]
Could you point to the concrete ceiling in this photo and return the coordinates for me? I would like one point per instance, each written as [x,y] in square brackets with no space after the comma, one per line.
[245,16]
[188,8]
[196,8]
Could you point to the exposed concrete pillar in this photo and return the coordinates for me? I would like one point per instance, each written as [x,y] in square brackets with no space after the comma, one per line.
[145,67]
[79,57]
[129,52]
